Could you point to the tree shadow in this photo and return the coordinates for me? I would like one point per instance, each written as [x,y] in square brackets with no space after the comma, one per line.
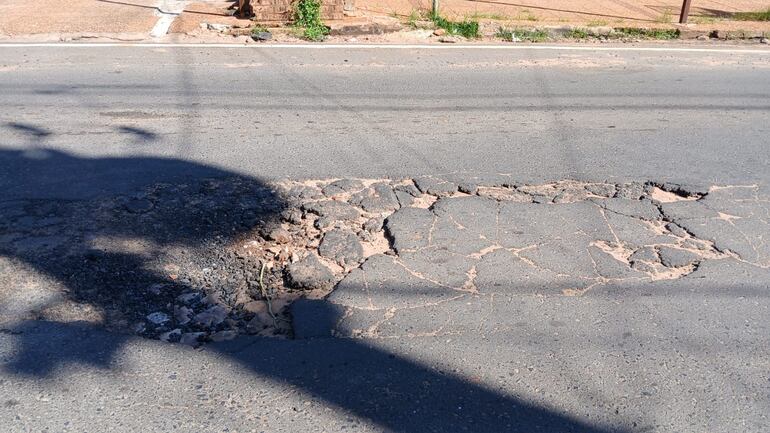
[58,208]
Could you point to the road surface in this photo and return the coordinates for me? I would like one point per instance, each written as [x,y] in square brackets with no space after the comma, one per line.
[577,332]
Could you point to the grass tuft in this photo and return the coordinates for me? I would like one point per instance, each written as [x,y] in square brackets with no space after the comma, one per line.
[467,28]
[660,34]
[518,34]
[577,34]
[307,15]
[752,16]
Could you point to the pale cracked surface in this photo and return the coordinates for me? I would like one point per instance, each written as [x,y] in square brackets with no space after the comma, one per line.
[562,239]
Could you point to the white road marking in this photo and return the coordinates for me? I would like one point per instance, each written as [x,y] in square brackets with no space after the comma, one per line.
[167,10]
[732,50]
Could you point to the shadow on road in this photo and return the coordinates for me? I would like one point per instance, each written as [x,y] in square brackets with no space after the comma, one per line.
[52,222]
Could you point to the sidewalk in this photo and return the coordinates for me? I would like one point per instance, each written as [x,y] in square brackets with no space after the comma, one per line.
[654,13]
[147,19]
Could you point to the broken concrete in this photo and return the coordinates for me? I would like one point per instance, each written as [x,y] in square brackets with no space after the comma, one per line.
[389,245]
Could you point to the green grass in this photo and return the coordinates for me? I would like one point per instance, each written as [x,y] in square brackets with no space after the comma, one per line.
[704,20]
[258,29]
[577,34]
[466,28]
[307,15]
[660,34]
[752,16]
[531,35]
[487,16]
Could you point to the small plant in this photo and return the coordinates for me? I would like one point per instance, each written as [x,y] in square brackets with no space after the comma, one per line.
[307,15]
[660,34]
[753,16]
[256,30]
[487,16]
[577,34]
[704,20]
[468,29]
[513,35]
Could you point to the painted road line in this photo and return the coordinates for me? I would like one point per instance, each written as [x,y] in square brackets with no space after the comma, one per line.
[380,47]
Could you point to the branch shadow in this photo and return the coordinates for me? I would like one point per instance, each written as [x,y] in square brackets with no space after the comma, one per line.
[166,202]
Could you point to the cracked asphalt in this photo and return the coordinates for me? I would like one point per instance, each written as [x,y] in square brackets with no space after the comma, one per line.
[482,241]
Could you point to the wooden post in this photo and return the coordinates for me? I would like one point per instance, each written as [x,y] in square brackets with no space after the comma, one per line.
[434,8]
[685,11]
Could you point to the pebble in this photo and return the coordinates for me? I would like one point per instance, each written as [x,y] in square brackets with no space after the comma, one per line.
[279,235]
[158,318]
[212,316]
[172,336]
[182,315]
[309,273]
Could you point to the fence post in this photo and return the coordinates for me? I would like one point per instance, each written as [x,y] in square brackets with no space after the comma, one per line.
[434,8]
[685,11]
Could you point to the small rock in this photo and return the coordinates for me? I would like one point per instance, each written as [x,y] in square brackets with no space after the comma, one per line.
[279,235]
[504,194]
[676,257]
[631,191]
[644,254]
[172,336]
[374,225]
[223,335]
[378,198]
[423,183]
[189,298]
[448,39]
[192,338]
[764,41]
[408,188]
[442,189]
[324,223]
[676,230]
[439,32]
[262,36]
[309,273]
[468,188]
[601,189]
[404,199]
[342,186]
[332,209]
[218,27]
[182,315]
[212,316]
[158,318]
[341,246]
[292,215]
[702,37]
[304,192]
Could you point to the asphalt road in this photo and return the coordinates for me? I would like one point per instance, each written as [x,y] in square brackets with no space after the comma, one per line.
[676,354]
[299,113]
